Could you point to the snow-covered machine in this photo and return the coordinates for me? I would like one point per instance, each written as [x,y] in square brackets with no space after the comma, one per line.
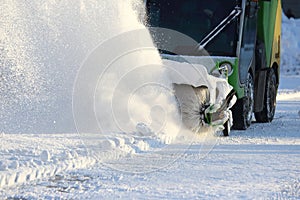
[235,40]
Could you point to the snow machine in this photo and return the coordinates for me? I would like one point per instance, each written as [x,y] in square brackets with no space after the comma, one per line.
[237,41]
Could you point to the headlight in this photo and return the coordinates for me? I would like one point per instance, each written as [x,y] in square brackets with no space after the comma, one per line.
[224,70]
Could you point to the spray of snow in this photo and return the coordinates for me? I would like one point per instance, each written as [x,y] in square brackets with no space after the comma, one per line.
[42,46]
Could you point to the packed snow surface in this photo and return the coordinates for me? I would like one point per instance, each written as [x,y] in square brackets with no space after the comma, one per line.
[42,156]
[260,163]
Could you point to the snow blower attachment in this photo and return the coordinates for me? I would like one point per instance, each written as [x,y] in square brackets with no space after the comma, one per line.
[197,112]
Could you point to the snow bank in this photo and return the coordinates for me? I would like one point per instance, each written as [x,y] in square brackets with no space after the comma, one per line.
[290,46]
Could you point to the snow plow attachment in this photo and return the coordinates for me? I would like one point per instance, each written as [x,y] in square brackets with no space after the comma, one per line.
[197,112]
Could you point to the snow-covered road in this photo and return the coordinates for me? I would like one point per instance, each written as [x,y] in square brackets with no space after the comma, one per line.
[260,163]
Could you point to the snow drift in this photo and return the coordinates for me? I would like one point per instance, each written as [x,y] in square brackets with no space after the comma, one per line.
[290,45]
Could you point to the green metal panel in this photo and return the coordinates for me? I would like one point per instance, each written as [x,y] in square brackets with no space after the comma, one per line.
[233,80]
[266,25]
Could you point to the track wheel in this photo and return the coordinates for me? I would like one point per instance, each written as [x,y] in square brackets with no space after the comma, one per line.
[227,128]
[268,112]
[243,108]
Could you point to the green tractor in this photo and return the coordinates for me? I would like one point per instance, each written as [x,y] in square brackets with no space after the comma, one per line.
[242,37]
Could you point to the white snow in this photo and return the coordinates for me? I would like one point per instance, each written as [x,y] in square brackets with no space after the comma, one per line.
[187,73]
[290,45]
[26,157]
[45,156]
[260,163]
